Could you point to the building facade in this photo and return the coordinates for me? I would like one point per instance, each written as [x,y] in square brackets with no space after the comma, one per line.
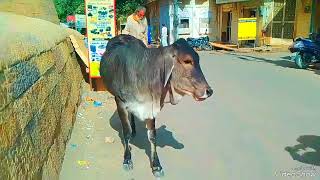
[277,21]
[184,18]
[229,13]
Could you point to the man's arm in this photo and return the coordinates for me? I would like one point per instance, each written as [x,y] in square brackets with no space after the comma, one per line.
[145,34]
[127,28]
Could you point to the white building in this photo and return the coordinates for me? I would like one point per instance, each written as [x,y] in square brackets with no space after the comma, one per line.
[195,18]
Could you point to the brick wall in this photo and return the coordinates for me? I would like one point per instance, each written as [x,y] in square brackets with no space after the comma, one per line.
[39,96]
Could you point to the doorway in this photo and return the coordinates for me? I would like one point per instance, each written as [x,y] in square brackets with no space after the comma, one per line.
[283,19]
[226,26]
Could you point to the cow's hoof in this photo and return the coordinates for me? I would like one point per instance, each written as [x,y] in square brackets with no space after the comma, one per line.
[158,171]
[127,165]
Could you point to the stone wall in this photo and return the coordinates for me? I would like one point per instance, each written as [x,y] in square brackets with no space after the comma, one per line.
[39,94]
[43,9]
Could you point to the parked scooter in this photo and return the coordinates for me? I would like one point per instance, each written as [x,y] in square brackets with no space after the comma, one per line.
[306,51]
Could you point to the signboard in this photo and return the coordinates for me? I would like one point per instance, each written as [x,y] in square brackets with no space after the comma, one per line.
[71,18]
[100,15]
[80,21]
[228,1]
[247,29]
[71,21]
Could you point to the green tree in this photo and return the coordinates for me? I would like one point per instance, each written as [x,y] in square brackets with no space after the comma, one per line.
[126,7]
[67,7]
[81,9]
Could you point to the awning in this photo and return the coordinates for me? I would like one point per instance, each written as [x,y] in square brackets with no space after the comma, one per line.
[229,1]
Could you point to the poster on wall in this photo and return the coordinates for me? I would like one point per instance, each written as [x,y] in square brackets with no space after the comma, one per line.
[247,29]
[100,16]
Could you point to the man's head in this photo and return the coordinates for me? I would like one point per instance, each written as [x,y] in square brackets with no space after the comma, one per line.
[163,25]
[140,12]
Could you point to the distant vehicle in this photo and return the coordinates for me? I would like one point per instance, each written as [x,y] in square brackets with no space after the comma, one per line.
[306,50]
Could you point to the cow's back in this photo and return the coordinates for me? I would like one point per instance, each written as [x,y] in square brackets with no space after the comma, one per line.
[123,40]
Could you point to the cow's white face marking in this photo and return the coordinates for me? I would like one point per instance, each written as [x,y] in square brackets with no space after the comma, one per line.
[143,111]
[149,135]
[168,76]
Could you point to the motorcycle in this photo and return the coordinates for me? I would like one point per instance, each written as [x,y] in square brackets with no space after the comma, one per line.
[306,50]
[200,44]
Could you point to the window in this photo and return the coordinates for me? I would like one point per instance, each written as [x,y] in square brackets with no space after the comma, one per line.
[184,23]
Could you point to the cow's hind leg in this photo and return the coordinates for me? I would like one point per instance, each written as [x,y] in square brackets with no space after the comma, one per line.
[133,126]
[152,136]
[126,130]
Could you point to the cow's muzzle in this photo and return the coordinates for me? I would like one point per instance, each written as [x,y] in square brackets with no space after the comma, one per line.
[207,93]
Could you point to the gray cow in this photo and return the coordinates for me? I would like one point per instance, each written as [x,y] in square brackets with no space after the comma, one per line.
[143,79]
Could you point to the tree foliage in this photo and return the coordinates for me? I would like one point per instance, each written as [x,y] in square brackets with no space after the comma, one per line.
[67,7]
[71,7]
[126,7]
[81,9]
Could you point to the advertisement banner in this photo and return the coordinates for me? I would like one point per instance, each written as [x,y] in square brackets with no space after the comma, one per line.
[100,16]
[247,29]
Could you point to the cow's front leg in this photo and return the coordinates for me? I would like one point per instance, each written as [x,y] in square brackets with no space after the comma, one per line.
[126,130]
[133,126]
[152,136]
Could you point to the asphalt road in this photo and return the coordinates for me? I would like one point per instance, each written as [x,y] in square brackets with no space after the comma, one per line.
[264,113]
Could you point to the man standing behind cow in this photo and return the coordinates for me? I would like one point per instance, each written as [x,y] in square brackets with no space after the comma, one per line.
[137,25]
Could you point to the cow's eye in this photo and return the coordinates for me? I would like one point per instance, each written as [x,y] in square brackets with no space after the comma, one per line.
[187,61]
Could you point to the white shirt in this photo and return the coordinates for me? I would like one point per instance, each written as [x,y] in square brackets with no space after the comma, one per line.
[138,29]
[164,31]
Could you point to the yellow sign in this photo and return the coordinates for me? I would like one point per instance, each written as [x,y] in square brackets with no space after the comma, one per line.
[100,15]
[247,29]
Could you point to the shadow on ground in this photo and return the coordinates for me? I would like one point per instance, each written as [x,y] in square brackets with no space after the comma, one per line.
[284,62]
[307,151]
[164,137]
